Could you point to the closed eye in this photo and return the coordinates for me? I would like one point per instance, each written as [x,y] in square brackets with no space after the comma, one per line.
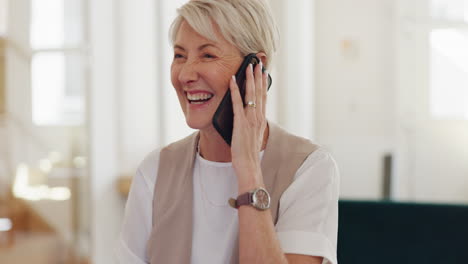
[177,56]
[208,56]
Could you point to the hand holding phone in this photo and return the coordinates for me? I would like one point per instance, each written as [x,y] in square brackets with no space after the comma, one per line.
[223,119]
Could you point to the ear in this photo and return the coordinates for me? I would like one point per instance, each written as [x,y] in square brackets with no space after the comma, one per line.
[263,57]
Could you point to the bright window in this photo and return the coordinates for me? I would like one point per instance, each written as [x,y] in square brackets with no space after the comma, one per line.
[57,65]
[47,86]
[47,23]
[449,60]
[454,10]
[449,73]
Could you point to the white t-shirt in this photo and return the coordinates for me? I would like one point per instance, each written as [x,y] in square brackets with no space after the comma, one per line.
[307,222]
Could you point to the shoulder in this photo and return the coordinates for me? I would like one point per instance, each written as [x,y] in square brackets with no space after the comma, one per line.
[315,156]
[148,168]
[321,158]
[182,145]
[289,143]
[318,171]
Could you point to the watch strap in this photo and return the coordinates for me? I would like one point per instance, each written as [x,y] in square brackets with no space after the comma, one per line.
[244,199]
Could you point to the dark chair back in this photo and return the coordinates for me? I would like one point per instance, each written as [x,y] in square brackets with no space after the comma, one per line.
[391,232]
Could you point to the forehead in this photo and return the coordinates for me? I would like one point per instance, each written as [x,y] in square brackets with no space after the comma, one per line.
[187,36]
[187,33]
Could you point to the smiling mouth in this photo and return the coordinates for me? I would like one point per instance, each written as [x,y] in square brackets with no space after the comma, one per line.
[199,98]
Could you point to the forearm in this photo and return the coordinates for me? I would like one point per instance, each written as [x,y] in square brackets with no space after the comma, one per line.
[258,242]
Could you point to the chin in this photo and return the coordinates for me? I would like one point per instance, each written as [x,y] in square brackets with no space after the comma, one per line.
[198,124]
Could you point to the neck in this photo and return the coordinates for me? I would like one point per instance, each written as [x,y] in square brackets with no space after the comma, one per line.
[213,147]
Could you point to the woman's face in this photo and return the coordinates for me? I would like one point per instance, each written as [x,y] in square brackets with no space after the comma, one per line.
[200,73]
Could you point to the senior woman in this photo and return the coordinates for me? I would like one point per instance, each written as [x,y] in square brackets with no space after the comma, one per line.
[286,187]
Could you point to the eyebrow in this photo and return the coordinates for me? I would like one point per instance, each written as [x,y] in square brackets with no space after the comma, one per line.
[199,48]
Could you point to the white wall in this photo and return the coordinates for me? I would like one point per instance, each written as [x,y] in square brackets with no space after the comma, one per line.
[431,164]
[103,116]
[373,97]
[355,89]
[137,83]
[291,97]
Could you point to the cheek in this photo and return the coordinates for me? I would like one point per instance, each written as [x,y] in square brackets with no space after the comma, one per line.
[222,75]
[227,68]
[177,85]
[220,79]
[174,76]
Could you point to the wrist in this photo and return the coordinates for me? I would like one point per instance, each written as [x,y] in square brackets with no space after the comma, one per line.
[249,176]
[248,185]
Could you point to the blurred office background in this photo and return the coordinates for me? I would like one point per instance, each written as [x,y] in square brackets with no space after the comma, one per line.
[85,95]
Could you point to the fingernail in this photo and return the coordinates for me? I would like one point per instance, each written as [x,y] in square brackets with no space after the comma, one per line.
[234,78]
[251,66]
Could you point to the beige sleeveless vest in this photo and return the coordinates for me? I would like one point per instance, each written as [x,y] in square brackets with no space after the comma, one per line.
[170,241]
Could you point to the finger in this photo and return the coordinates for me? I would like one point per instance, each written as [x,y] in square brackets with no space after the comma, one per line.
[264,92]
[259,88]
[249,85]
[236,99]
[250,95]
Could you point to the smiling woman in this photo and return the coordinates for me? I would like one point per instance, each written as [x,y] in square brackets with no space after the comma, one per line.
[180,207]
[201,70]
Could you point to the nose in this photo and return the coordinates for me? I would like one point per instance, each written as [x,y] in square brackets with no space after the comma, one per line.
[188,73]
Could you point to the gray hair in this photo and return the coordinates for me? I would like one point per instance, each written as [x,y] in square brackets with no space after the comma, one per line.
[246,24]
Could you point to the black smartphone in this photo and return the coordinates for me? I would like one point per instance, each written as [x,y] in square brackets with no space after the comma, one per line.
[223,119]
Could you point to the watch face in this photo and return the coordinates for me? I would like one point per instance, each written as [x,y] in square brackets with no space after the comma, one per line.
[261,199]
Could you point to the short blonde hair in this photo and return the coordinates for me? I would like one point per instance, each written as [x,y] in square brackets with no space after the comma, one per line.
[247,24]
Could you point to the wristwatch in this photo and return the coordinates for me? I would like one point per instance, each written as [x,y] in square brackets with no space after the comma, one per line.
[259,198]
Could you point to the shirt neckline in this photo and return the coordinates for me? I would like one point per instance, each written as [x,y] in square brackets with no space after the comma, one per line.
[219,164]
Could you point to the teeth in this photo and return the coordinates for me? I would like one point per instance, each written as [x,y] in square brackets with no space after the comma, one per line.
[199,96]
